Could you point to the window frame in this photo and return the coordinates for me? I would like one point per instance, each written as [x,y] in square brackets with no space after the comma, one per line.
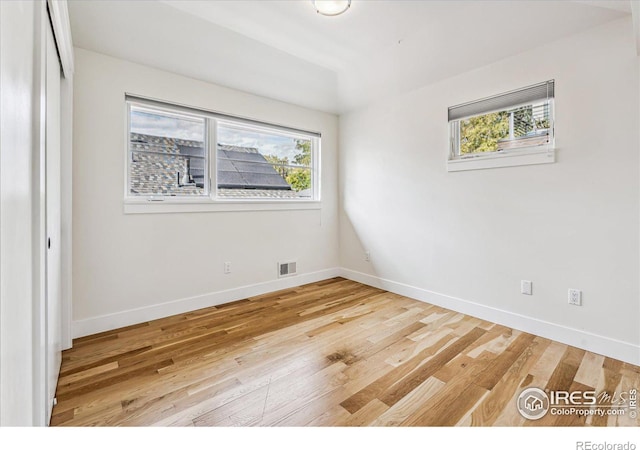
[211,201]
[315,142]
[526,155]
[207,157]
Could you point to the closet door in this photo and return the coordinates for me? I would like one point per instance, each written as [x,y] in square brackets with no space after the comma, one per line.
[53,307]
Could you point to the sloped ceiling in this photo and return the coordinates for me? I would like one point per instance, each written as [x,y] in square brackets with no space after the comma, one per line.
[286,51]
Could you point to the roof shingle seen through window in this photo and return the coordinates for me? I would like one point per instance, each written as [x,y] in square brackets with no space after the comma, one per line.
[246,168]
[242,171]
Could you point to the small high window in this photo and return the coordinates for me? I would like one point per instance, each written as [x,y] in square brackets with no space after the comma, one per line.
[515,128]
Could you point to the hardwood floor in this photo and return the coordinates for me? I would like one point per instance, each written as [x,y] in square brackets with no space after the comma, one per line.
[333,353]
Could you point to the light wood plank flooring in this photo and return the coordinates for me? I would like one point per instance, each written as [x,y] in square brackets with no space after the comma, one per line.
[333,353]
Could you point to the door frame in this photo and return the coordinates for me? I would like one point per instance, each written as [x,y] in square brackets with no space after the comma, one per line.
[59,14]
[48,14]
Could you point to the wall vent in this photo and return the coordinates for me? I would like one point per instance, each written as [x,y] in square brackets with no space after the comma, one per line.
[286,269]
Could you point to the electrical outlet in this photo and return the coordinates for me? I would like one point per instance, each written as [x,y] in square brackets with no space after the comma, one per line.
[575,297]
[526,287]
[227,268]
[367,256]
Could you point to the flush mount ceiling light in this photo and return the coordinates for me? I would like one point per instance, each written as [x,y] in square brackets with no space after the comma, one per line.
[331,7]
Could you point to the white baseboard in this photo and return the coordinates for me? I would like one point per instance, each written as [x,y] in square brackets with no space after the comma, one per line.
[603,345]
[613,348]
[107,322]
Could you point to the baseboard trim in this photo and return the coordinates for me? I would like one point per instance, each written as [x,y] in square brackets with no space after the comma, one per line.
[603,345]
[98,324]
[595,343]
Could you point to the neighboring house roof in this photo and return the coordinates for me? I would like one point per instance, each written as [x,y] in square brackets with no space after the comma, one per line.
[238,167]
[166,166]
[246,168]
[151,143]
[261,193]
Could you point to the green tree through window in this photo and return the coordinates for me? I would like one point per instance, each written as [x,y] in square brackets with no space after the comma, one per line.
[280,165]
[487,132]
[482,133]
[300,178]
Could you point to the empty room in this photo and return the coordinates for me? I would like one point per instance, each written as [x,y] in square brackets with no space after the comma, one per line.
[320,214]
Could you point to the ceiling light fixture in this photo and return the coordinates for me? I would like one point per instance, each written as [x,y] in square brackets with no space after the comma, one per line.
[331,7]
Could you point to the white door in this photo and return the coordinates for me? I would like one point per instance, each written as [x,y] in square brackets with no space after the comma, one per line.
[53,308]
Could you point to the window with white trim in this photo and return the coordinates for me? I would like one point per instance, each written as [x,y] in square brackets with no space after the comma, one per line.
[514,128]
[179,154]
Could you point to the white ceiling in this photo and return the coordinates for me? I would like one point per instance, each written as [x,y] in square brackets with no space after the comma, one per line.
[285,50]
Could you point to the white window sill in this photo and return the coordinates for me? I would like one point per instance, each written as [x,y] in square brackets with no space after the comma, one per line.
[522,157]
[144,206]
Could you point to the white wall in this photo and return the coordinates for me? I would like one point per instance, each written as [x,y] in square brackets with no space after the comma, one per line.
[466,239]
[127,268]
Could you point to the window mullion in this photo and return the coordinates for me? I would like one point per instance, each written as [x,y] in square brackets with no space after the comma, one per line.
[212,128]
[314,164]
[454,139]
[128,154]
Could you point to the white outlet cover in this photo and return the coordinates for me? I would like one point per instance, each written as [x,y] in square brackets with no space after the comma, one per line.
[575,297]
[526,287]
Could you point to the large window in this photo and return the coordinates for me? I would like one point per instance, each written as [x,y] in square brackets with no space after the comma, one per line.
[510,129]
[180,155]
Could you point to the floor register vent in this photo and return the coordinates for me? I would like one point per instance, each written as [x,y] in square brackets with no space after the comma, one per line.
[286,269]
